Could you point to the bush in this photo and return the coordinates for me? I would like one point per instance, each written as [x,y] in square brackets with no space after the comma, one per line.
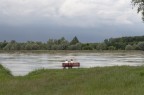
[111,48]
[101,46]
[129,47]
[141,45]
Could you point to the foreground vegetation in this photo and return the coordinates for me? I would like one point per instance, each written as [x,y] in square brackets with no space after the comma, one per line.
[122,80]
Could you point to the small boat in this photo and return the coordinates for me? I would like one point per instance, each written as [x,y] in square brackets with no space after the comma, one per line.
[70,65]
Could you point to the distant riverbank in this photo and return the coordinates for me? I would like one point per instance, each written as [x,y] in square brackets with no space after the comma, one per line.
[71,51]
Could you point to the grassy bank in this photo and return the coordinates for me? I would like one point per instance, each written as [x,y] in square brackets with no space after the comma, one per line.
[94,81]
[72,51]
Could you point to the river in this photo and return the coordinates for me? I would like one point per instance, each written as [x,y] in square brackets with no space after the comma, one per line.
[23,63]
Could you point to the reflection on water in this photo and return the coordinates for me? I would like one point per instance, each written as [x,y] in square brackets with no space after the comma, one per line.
[22,64]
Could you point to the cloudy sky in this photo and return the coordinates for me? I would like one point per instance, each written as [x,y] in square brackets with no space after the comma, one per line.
[89,20]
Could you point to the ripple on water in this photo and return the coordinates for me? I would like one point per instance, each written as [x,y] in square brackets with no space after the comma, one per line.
[22,64]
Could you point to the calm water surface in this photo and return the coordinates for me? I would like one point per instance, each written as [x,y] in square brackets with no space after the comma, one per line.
[22,64]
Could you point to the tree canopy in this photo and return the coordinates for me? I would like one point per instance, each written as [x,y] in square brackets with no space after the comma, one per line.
[140,6]
[122,43]
[74,41]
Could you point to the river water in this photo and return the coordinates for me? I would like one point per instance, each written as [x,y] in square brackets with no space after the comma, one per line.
[22,64]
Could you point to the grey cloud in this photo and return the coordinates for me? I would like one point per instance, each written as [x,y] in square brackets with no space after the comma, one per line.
[44,32]
[86,13]
[89,20]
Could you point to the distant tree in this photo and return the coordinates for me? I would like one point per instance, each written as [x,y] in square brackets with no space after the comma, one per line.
[28,46]
[74,41]
[57,44]
[79,46]
[61,40]
[120,45]
[141,45]
[87,46]
[93,45]
[101,46]
[111,48]
[13,41]
[72,47]
[75,47]
[106,41]
[136,47]
[7,47]
[42,46]
[63,44]
[3,44]
[61,47]
[50,42]
[129,47]
[0,45]
[55,47]
[140,6]
[35,46]
[11,46]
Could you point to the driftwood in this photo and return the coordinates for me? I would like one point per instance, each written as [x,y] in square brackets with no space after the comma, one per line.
[70,65]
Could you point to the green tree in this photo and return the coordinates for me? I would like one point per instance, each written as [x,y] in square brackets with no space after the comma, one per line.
[75,47]
[63,44]
[87,46]
[140,6]
[35,46]
[42,46]
[74,41]
[129,47]
[106,41]
[141,45]
[32,46]
[111,48]
[55,47]
[3,44]
[11,46]
[136,47]
[101,46]
[50,42]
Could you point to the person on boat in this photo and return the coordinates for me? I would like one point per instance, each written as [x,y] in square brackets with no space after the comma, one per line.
[71,61]
[66,61]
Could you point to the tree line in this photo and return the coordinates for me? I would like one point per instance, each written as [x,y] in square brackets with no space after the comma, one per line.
[125,43]
[122,43]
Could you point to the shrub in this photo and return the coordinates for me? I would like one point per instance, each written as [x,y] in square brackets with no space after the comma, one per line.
[141,45]
[129,47]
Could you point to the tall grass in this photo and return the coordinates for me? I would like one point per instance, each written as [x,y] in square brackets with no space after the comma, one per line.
[122,80]
[4,72]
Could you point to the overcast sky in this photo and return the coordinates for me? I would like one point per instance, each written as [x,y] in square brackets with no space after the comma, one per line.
[89,20]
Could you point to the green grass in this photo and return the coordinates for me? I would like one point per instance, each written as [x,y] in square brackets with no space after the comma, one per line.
[116,80]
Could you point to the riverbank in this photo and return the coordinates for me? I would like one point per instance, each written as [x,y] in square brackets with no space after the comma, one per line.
[117,80]
[71,51]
